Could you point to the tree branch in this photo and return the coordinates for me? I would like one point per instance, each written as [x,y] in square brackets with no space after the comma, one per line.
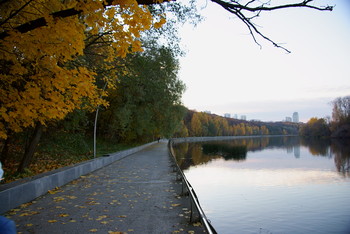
[236,5]
[15,13]
[241,11]
[40,22]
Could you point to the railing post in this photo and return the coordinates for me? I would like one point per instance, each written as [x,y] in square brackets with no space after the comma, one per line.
[197,213]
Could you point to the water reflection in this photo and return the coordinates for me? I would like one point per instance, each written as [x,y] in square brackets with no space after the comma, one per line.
[341,151]
[228,152]
[271,184]
[317,146]
[192,154]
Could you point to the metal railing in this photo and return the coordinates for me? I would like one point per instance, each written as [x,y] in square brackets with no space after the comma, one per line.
[197,213]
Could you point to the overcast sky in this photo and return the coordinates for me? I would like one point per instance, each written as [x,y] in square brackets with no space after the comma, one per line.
[226,72]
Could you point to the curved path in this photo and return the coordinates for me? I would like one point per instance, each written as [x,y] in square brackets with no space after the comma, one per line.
[137,194]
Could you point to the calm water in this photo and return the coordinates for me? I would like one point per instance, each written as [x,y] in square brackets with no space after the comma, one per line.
[271,185]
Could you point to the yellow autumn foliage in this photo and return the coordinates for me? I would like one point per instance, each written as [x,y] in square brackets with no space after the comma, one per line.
[38,82]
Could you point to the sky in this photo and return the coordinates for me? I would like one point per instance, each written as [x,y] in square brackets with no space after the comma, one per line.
[226,72]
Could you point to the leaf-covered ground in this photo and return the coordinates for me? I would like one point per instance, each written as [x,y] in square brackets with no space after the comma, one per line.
[55,151]
[138,194]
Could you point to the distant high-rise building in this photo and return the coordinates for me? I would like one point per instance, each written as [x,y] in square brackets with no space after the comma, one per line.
[243,117]
[207,112]
[227,115]
[235,116]
[288,119]
[295,117]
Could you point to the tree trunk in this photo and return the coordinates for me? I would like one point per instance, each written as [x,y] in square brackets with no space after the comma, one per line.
[5,150]
[31,147]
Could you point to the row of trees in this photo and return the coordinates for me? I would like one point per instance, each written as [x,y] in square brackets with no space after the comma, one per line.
[337,126]
[63,61]
[204,124]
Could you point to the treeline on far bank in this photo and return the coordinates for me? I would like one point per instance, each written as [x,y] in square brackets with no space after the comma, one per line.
[337,127]
[198,124]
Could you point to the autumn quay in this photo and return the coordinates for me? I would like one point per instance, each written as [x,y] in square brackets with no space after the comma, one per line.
[81,79]
[137,193]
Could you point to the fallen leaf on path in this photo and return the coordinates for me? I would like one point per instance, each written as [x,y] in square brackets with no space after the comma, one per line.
[101,217]
[54,191]
[197,224]
[63,215]
[29,213]
[25,205]
[58,199]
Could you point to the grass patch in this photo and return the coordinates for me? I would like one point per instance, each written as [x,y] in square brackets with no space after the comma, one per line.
[56,151]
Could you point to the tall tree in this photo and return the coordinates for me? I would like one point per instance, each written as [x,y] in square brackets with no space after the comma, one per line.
[146,102]
[38,81]
[41,42]
[341,110]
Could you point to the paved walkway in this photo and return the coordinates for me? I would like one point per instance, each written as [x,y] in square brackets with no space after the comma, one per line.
[137,194]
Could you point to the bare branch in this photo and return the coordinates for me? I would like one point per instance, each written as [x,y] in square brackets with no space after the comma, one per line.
[244,13]
[304,4]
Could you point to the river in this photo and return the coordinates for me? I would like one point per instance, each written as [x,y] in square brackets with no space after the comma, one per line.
[271,184]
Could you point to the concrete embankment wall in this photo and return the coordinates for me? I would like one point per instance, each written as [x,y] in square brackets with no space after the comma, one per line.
[25,190]
[217,138]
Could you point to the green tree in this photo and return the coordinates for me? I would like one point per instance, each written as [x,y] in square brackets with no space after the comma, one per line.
[315,127]
[264,130]
[196,125]
[182,131]
[147,101]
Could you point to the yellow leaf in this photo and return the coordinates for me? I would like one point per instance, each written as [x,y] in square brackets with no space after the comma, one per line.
[54,191]
[63,215]
[52,221]
[57,199]
[93,230]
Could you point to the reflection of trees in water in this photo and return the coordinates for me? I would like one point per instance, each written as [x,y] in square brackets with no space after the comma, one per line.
[191,154]
[317,146]
[228,152]
[341,150]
